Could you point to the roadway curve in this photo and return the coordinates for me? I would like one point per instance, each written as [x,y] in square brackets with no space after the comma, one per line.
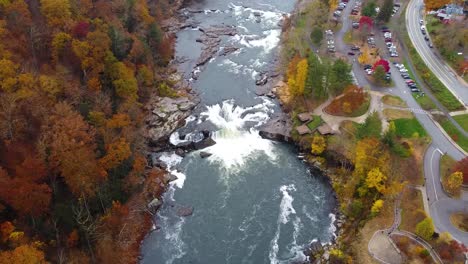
[441,206]
[441,70]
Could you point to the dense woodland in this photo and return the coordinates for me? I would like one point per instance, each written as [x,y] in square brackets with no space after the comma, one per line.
[74,77]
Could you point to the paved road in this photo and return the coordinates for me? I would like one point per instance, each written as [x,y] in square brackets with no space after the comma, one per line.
[441,205]
[437,65]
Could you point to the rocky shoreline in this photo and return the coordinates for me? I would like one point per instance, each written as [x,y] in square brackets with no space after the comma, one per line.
[166,115]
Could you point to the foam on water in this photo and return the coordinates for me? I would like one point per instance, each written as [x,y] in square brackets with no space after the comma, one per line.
[234,141]
[172,160]
[332,227]
[286,209]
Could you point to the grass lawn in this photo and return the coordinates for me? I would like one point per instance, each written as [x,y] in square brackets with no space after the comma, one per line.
[460,220]
[407,127]
[453,132]
[393,101]
[440,91]
[462,120]
[425,102]
[392,114]
[316,122]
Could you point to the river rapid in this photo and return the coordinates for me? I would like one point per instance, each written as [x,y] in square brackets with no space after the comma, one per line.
[253,200]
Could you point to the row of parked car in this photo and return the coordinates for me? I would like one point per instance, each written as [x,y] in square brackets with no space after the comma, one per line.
[330,40]
[392,50]
[356,8]
[405,75]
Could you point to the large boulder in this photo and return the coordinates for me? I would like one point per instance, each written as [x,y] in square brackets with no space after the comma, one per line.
[165,115]
[278,128]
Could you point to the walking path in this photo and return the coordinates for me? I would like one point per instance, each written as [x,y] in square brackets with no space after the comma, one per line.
[387,255]
[335,121]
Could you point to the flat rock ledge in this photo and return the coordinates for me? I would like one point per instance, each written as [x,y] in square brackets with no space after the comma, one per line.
[278,128]
[166,114]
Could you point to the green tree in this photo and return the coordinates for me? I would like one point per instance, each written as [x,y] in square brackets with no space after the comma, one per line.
[379,74]
[339,77]
[369,9]
[315,74]
[372,127]
[316,35]
[386,11]
[425,229]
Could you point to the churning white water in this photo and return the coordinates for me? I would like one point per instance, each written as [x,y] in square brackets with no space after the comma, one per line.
[253,200]
[237,137]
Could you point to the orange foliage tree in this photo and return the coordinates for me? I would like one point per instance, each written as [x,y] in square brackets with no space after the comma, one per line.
[72,150]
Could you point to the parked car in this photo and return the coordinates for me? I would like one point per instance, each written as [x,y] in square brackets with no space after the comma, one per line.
[356,48]
[430,45]
[355,24]
[426,38]
[421,22]
[337,13]
[367,66]
[415,90]
[351,53]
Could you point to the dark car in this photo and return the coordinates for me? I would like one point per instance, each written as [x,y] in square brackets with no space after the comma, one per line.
[383,27]
[351,53]
[426,38]
[406,77]
[415,90]
[367,66]
[356,48]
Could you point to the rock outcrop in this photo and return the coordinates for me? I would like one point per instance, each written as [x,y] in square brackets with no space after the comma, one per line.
[211,38]
[165,115]
[278,128]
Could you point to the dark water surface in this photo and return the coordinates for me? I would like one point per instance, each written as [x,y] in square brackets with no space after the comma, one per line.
[254,201]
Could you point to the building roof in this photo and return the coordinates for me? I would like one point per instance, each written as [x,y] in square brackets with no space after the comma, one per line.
[304,117]
[302,130]
[325,129]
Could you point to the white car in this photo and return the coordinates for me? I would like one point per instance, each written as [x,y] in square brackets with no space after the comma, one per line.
[403,70]
[421,21]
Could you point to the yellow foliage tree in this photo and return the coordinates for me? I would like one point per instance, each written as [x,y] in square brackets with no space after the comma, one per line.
[50,85]
[364,58]
[57,12]
[59,42]
[376,179]
[435,4]
[116,153]
[318,145]
[23,254]
[370,154]
[378,204]
[333,4]
[297,80]
[454,183]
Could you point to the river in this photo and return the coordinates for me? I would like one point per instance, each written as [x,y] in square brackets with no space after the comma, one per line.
[253,200]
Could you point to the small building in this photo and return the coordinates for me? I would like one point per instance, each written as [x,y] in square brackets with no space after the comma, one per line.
[302,130]
[325,129]
[305,117]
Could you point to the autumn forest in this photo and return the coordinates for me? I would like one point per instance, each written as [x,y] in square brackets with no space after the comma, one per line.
[74,77]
